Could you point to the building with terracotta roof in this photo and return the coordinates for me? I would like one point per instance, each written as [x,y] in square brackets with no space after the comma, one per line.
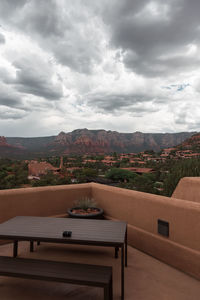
[89,161]
[108,162]
[37,169]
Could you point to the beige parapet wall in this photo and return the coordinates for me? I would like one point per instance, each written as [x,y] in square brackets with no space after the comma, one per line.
[40,201]
[141,210]
[188,188]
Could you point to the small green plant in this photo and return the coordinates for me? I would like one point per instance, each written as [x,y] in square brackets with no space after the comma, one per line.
[85,203]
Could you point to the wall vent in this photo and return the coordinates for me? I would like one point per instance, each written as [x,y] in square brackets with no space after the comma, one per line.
[163,228]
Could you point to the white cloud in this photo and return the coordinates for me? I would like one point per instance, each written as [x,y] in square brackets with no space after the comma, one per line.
[129,65]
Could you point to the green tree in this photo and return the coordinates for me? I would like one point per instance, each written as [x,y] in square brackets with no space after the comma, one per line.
[85,175]
[117,174]
[115,155]
[183,168]
[145,183]
[13,173]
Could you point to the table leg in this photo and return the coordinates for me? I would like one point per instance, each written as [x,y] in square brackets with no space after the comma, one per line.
[126,252]
[116,252]
[31,246]
[15,248]
[122,272]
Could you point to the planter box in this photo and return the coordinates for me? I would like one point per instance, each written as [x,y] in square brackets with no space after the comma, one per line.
[98,214]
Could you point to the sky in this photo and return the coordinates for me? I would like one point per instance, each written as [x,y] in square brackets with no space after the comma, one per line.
[131,65]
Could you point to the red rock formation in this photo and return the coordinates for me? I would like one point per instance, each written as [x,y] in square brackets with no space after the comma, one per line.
[3,142]
[84,141]
[192,143]
[100,141]
[8,150]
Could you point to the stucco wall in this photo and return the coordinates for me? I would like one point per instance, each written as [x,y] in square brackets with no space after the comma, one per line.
[188,188]
[41,201]
[142,211]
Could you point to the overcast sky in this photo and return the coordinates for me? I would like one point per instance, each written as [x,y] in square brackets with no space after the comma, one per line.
[131,65]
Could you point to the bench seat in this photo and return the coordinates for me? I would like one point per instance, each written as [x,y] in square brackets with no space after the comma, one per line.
[81,274]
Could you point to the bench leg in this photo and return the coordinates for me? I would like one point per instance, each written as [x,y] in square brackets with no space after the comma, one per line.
[116,252]
[111,289]
[107,293]
[15,248]
[31,246]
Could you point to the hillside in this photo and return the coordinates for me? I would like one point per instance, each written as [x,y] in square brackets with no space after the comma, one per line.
[8,150]
[84,141]
[192,143]
[31,144]
[101,141]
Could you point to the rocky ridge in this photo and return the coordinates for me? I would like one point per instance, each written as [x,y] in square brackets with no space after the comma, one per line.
[192,143]
[84,141]
[101,141]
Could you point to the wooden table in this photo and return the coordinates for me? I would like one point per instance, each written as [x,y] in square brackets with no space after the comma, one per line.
[84,232]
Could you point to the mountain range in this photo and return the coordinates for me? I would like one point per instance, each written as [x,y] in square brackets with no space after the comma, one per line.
[84,141]
[192,143]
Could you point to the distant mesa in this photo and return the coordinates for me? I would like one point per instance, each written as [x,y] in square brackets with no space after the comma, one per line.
[3,142]
[8,150]
[84,141]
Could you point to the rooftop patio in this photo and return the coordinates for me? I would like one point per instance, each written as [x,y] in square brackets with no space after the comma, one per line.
[145,277]
[158,267]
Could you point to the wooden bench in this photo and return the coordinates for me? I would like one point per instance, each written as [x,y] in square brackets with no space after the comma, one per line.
[73,273]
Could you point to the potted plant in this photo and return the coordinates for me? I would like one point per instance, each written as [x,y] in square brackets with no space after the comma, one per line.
[85,208]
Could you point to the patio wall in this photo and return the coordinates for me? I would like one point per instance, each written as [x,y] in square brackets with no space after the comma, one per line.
[41,201]
[141,210]
[188,188]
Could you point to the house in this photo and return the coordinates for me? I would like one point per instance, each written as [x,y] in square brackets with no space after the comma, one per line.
[108,162]
[36,169]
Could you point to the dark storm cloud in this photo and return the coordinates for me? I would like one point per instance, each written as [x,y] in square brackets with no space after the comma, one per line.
[12,114]
[9,98]
[115,103]
[85,54]
[8,7]
[77,56]
[153,35]
[147,31]
[2,39]
[29,83]
[9,11]
[68,32]
[42,17]
[35,77]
